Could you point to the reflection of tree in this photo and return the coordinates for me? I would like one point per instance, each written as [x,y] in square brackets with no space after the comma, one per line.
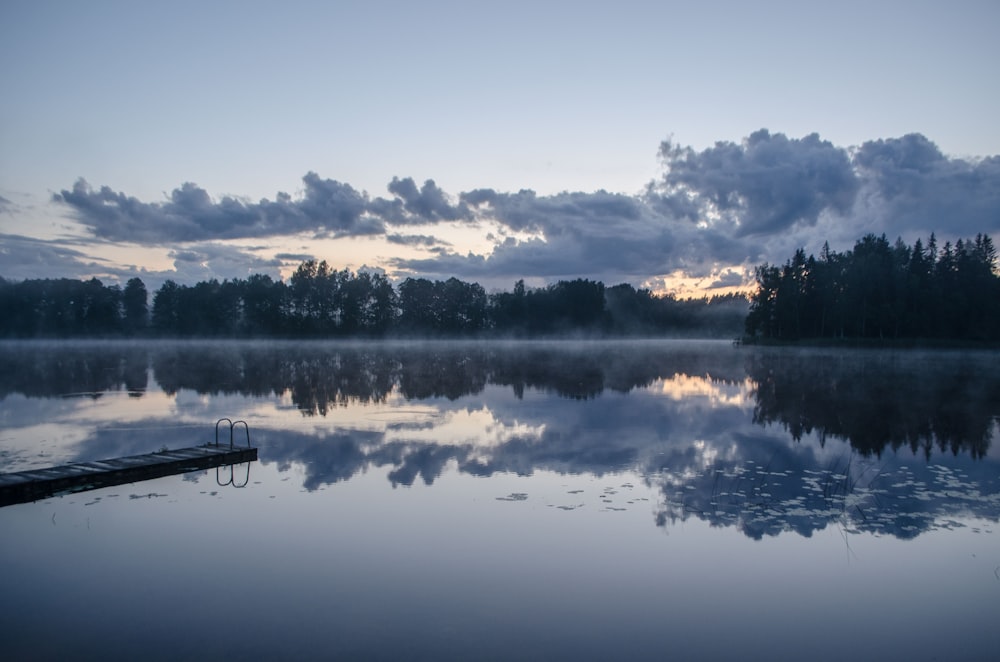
[442,372]
[702,452]
[878,401]
[874,400]
[320,375]
[316,376]
[46,370]
[319,380]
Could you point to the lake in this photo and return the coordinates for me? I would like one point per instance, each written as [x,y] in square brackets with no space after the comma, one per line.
[528,500]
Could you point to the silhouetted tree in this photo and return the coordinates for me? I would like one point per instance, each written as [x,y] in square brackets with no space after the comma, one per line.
[319,301]
[881,291]
[60,308]
[135,303]
[264,306]
[166,303]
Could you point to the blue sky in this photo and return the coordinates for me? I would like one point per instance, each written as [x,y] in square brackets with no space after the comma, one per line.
[488,141]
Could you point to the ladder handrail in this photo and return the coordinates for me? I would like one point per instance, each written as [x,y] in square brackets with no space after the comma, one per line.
[232,426]
[217,423]
[232,476]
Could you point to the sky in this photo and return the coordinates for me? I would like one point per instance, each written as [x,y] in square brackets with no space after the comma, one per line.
[668,145]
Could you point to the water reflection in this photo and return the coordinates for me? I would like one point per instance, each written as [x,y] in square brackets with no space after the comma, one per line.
[762,440]
[323,375]
[767,487]
[919,401]
[43,370]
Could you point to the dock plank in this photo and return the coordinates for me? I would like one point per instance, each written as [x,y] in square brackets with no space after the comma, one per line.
[35,484]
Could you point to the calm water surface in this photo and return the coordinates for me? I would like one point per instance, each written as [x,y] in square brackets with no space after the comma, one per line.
[651,500]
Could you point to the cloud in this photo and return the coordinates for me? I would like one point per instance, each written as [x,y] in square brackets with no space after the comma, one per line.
[428,204]
[729,206]
[730,278]
[327,208]
[294,257]
[28,258]
[24,258]
[556,214]
[221,261]
[909,186]
[6,206]
[605,236]
[723,206]
[732,205]
[331,205]
[766,184]
[415,240]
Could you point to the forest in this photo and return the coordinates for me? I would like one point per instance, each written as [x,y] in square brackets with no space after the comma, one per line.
[321,302]
[877,291]
[881,291]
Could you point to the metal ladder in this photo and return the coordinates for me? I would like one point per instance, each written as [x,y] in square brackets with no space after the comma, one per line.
[231,467]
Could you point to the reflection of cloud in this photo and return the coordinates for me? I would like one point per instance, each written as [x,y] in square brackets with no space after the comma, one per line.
[653,409]
[477,428]
[765,487]
[684,387]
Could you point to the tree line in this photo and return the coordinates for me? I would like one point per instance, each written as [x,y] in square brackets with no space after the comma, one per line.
[66,307]
[321,302]
[881,291]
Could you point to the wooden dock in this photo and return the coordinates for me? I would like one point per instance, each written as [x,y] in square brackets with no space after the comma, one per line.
[24,486]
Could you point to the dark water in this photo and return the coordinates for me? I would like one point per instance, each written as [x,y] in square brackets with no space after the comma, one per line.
[508,501]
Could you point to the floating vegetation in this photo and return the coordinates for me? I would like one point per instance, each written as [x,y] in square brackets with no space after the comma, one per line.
[858,495]
[514,496]
[151,495]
